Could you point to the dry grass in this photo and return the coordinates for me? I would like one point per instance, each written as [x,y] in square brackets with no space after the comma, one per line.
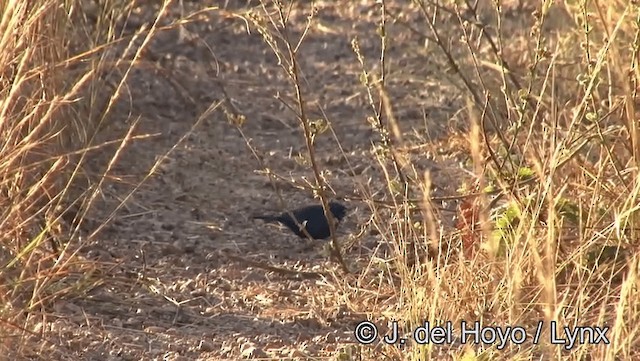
[53,103]
[546,229]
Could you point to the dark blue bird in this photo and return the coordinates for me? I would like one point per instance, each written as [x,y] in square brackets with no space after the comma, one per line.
[310,218]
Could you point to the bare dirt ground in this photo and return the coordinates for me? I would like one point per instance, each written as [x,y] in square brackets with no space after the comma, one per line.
[171,294]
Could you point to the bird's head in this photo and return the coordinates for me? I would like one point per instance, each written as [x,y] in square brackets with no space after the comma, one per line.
[338,210]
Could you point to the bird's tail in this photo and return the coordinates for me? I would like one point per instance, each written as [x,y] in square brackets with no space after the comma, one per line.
[267,218]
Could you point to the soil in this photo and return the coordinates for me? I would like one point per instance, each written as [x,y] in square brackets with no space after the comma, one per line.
[176,287]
